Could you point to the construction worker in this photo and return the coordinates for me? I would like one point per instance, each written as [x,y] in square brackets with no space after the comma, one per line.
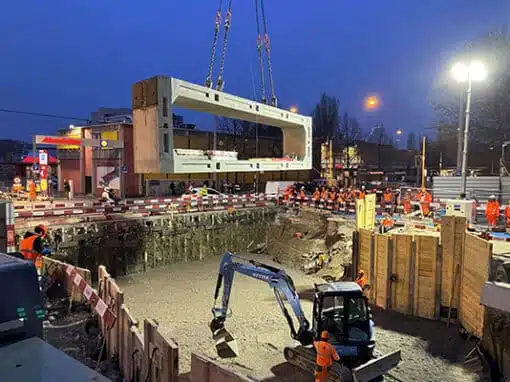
[408,208]
[387,223]
[362,279]
[326,353]
[31,247]
[32,191]
[492,211]
[387,199]
[507,215]
[302,194]
[203,191]
[425,200]
[361,193]
[317,197]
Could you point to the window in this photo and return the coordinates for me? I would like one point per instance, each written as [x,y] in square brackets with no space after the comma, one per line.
[165,107]
[166,143]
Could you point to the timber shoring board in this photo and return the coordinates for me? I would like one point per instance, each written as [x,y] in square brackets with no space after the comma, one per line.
[382,271]
[56,270]
[475,272]
[401,269]
[365,253]
[425,277]
[453,231]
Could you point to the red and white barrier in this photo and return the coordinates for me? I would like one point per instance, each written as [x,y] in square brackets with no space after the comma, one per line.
[92,296]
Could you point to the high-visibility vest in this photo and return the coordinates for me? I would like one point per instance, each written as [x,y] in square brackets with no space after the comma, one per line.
[26,248]
[325,353]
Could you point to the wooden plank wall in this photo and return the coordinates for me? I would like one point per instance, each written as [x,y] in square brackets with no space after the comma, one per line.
[475,272]
[382,270]
[452,241]
[401,270]
[57,270]
[425,277]
[366,258]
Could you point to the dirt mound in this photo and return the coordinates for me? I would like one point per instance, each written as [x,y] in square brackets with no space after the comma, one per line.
[312,240]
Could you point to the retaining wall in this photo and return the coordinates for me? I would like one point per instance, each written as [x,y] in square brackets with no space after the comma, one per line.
[137,244]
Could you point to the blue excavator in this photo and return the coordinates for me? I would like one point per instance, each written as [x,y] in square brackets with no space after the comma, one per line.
[338,307]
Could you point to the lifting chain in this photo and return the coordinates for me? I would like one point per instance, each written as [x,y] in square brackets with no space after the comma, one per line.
[217,25]
[267,46]
[228,19]
[259,49]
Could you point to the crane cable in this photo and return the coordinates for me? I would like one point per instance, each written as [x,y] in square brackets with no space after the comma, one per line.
[220,83]
[217,25]
[267,45]
[259,49]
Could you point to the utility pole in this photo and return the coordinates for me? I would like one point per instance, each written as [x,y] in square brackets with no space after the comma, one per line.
[466,137]
[459,134]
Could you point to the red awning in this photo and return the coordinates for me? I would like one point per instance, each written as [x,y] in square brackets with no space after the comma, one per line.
[29,159]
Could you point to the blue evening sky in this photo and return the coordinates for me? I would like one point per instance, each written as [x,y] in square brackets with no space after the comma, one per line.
[70,57]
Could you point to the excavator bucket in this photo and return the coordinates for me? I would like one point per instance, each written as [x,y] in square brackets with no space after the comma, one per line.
[226,345]
[376,367]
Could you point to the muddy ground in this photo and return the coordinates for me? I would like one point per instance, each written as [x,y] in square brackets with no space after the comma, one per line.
[180,298]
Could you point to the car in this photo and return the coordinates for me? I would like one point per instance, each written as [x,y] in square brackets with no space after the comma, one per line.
[195,193]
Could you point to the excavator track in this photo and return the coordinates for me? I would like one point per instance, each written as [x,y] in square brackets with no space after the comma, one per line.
[304,358]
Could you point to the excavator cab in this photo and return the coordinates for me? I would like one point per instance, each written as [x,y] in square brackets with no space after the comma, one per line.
[342,310]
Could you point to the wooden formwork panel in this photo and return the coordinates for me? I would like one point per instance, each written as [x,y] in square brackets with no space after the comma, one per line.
[452,240]
[382,270]
[56,270]
[425,277]
[401,270]
[162,356]
[475,272]
[127,322]
[366,247]
[365,251]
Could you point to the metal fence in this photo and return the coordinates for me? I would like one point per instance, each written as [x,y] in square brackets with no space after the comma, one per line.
[477,187]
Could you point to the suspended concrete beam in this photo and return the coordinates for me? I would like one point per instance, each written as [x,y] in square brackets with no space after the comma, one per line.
[154,149]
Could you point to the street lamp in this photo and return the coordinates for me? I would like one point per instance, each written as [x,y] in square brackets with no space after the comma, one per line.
[293,109]
[372,102]
[474,72]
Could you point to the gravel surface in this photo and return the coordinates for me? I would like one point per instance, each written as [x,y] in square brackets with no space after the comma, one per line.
[180,298]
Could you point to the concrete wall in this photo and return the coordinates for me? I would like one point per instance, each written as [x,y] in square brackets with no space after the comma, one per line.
[135,245]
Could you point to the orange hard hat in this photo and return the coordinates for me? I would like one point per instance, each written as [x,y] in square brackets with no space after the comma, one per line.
[324,335]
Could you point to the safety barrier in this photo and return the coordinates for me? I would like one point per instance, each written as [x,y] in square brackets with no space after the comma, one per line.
[162,205]
[422,276]
[143,354]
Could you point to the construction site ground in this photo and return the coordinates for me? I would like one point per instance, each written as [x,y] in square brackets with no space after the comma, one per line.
[180,298]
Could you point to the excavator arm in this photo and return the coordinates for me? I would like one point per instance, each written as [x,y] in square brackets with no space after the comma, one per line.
[282,285]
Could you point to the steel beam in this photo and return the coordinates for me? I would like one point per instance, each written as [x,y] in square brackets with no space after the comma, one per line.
[153,129]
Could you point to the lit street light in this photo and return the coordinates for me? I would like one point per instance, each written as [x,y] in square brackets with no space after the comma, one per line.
[399,132]
[293,109]
[474,72]
[372,102]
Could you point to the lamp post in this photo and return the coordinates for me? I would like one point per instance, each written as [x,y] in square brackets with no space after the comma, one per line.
[474,72]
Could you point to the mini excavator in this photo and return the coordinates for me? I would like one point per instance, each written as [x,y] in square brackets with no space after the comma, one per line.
[338,307]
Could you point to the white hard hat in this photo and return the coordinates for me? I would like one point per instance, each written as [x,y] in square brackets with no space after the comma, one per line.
[492,197]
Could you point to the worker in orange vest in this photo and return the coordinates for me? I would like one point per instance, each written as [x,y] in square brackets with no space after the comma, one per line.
[387,223]
[302,194]
[492,211]
[425,200]
[316,195]
[326,353]
[362,279]
[32,191]
[32,248]
[408,208]
[507,215]
[362,193]
[387,199]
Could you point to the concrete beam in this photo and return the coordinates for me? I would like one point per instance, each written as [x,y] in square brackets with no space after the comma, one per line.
[496,295]
[153,129]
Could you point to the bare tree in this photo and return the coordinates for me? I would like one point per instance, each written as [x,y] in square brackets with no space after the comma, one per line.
[349,133]
[326,117]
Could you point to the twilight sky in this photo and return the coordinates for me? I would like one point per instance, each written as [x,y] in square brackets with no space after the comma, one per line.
[70,57]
